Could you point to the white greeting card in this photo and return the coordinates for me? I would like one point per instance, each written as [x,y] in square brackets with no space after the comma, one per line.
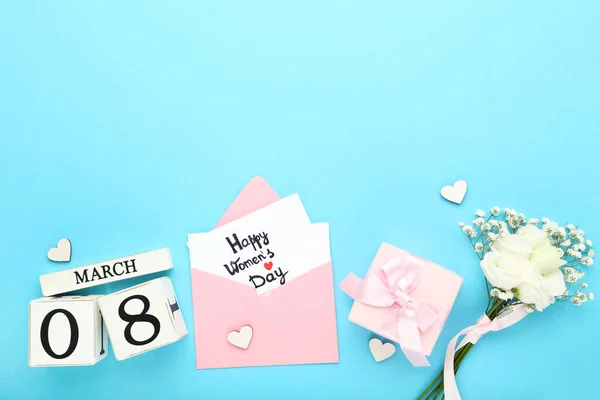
[265,249]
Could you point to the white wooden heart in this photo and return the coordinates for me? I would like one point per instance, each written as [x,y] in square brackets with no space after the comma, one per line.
[455,193]
[62,251]
[381,351]
[241,338]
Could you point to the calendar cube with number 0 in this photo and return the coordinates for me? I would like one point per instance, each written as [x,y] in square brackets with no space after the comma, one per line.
[142,318]
[66,331]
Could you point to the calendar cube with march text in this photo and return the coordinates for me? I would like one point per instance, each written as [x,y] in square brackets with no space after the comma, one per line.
[142,318]
[66,331]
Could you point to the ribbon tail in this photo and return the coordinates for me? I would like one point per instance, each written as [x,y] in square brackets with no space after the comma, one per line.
[425,316]
[499,323]
[351,285]
[450,387]
[410,342]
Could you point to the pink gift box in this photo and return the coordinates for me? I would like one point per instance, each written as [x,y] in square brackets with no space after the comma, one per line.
[438,287]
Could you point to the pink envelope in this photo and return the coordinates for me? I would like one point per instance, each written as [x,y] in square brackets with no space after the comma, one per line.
[294,324]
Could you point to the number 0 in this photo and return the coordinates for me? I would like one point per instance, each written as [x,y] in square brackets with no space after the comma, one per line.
[74,334]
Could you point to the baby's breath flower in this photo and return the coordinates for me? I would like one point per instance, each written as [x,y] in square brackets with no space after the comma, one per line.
[584,285]
[574,253]
[503,228]
[572,232]
[587,261]
[480,213]
[512,218]
[522,218]
[577,235]
[550,228]
[571,278]
[492,236]
[502,295]
[571,227]
[479,222]
[569,270]
[589,243]
[545,220]
[461,224]
[495,211]
[506,295]
[470,232]
[590,296]
[591,253]
[494,223]
[566,243]
[576,301]
[530,308]
[560,233]
[478,246]
[533,221]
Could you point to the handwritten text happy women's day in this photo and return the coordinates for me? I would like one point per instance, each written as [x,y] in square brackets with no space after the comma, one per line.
[257,242]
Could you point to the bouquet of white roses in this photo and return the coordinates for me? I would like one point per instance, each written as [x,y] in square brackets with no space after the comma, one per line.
[528,265]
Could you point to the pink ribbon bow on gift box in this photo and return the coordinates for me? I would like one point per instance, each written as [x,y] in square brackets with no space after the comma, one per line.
[390,286]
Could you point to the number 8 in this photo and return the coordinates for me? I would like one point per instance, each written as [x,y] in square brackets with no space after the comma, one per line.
[142,317]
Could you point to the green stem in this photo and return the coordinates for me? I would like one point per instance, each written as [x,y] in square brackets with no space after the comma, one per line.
[431,395]
[465,350]
[438,392]
[431,386]
[436,387]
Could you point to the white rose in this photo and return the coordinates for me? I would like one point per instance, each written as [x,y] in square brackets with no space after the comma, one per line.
[527,264]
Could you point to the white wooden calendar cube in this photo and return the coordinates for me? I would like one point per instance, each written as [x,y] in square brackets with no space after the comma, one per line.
[66,331]
[142,318]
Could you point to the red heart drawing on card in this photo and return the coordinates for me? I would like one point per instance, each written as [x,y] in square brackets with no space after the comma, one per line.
[269,265]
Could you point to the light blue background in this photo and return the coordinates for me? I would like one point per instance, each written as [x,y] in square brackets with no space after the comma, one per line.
[124,126]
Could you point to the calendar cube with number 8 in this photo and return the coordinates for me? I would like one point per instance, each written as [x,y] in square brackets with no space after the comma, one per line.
[142,318]
[66,331]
